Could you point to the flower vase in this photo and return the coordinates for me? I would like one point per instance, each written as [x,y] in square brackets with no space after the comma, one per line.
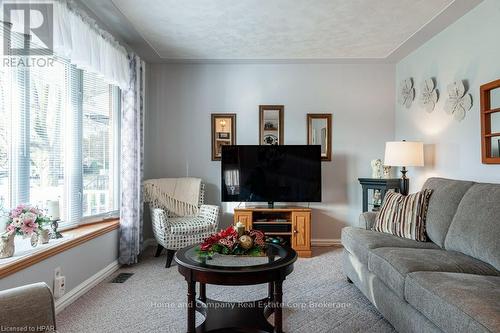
[7,247]
[43,236]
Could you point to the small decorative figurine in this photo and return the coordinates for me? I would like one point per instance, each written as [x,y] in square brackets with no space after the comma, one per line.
[387,171]
[376,168]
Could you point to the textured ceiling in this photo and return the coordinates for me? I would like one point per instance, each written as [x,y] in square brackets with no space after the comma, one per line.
[278,29]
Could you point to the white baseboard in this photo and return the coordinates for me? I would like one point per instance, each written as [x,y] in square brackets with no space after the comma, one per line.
[326,242]
[85,286]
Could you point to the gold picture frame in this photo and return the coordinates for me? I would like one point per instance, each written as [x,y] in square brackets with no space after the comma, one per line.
[223,132]
[319,132]
[271,124]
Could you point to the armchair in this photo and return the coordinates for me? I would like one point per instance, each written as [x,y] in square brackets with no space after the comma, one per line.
[175,232]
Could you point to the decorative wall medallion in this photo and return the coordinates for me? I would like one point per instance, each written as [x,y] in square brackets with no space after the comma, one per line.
[429,95]
[458,102]
[406,93]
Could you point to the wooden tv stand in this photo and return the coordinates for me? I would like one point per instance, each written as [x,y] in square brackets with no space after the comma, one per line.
[293,223]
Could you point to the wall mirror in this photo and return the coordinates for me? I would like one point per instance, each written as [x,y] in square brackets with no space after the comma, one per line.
[490,122]
[223,133]
[319,132]
[271,124]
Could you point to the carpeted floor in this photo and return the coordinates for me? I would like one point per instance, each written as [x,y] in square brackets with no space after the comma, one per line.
[317,299]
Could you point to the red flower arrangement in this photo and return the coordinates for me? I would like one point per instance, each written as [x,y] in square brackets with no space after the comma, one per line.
[229,242]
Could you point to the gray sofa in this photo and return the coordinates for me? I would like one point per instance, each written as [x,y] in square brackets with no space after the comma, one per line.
[29,308]
[450,283]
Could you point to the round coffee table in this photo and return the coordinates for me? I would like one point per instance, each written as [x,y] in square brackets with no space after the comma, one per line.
[232,270]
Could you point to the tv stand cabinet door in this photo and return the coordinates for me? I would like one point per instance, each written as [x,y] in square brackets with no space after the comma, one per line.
[301,233]
[244,217]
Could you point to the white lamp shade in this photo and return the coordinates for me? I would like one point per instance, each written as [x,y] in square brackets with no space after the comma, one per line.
[404,153]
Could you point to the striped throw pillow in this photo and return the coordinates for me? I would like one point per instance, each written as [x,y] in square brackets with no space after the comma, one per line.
[404,216]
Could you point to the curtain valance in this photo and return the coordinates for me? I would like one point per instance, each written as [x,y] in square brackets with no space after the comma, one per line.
[78,38]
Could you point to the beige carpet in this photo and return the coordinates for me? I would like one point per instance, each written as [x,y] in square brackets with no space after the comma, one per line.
[317,299]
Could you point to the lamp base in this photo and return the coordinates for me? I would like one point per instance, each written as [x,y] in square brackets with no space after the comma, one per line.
[405,182]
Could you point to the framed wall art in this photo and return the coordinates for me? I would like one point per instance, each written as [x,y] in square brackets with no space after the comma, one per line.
[223,132]
[271,124]
[319,132]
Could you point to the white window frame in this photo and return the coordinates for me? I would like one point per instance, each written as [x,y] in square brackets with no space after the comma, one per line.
[19,180]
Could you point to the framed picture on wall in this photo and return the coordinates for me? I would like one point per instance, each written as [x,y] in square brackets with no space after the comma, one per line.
[271,124]
[319,132]
[223,132]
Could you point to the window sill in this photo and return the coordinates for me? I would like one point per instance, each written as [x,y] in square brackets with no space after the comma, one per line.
[76,236]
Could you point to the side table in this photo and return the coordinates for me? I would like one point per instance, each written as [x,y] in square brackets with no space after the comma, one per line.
[383,185]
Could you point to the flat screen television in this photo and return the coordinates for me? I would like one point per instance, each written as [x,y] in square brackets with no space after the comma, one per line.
[271,174]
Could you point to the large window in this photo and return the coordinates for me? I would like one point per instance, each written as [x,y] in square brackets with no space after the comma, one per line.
[59,140]
[99,162]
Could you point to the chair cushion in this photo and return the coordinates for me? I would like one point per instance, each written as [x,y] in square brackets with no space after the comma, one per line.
[189,225]
[392,264]
[475,230]
[359,242]
[404,216]
[456,302]
[445,198]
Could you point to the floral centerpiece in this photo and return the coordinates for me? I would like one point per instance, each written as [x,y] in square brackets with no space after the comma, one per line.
[26,220]
[229,241]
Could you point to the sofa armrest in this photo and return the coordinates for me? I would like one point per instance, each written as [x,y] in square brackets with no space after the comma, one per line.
[367,220]
[30,307]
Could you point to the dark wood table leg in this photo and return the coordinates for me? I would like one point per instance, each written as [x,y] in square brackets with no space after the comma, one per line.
[203,292]
[278,306]
[271,292]
[191,307]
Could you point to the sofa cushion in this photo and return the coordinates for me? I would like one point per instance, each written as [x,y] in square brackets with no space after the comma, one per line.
[359,241]
[443,205]
[456,302]
[404,215]
[392,264]
[475,230]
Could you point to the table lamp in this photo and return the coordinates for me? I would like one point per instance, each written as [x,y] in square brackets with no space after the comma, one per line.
[404,154]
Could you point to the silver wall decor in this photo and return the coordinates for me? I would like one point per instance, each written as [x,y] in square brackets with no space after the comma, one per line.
[406,92]
[458,102]
[429,95]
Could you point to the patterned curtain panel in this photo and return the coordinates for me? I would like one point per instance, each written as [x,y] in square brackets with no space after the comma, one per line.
[132,152]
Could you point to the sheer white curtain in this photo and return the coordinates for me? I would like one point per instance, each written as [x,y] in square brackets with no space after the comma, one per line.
[77,38]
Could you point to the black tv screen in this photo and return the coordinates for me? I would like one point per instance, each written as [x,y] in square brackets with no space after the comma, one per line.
[271,173]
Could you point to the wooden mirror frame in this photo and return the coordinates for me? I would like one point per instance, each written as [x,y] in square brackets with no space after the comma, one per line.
[281,110]
[328,118]
[486,112]
[214,118]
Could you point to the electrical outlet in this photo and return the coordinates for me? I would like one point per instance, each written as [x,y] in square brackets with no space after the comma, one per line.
[57,272]
[59,283]
[59,286]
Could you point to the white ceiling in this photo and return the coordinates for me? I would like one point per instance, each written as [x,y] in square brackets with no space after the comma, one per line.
[349,31]
[278,29]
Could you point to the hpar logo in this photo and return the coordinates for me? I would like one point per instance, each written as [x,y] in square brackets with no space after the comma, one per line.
[35,21]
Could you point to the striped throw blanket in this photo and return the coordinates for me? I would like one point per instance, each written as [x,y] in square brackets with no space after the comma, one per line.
[404,216]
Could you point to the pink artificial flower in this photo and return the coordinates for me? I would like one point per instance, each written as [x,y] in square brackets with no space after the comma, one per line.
[16,212]
[29,226]
[11,228]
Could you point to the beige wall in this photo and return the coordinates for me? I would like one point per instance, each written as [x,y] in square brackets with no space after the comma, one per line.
[360,97]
